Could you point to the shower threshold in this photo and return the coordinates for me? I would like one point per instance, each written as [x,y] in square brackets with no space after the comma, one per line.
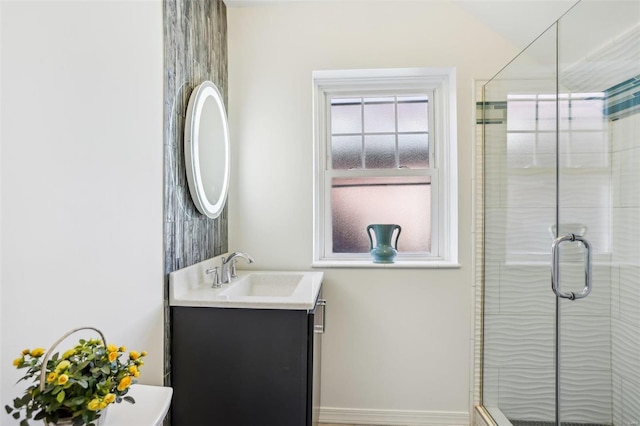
[538,423]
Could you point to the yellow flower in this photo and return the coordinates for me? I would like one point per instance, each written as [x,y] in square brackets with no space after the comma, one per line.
[68,354]
[136,374]
[52,376]
[94,405]
[103,405]
[18,362]
[110,398]
[144,353]
[133,369]
[25,351]
[37,352]
[113,356]
[134,355]
[123,349]
[124,383]
[63,366]
[112,348]
[62,379]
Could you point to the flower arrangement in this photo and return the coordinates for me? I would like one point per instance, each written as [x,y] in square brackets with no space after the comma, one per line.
[77,385]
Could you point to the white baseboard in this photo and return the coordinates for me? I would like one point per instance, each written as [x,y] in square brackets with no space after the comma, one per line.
[356,416]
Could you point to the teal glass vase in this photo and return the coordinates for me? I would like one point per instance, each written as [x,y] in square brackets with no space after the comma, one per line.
[384,251]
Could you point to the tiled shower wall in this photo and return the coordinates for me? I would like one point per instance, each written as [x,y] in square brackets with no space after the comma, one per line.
[625,270]
[195,49]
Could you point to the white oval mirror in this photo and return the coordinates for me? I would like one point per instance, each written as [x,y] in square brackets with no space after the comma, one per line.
[206,149]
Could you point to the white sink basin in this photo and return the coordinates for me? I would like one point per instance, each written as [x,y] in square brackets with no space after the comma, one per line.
[265,284]
[191,286]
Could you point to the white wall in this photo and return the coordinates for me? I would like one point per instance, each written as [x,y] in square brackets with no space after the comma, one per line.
[81,174]
[396,339]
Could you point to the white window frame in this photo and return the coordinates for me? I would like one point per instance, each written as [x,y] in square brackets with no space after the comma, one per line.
[439,83]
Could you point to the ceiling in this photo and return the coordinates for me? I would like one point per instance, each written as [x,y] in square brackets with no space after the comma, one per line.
[519,21]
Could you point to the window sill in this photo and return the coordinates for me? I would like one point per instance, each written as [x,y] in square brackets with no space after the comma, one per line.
[398,264]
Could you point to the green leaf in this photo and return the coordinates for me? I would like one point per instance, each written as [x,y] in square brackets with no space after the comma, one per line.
[16,415]
[17,402]
[83,383]
[8,408]
[60,396]
[78,400]
[24,422]
[129,399]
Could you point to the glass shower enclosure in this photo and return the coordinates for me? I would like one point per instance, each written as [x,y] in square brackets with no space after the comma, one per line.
[561,280]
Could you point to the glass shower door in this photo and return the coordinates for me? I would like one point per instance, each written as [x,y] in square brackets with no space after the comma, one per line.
[561,127]
[598,189]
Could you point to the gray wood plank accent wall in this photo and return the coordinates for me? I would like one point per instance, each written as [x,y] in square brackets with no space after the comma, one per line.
[195,50]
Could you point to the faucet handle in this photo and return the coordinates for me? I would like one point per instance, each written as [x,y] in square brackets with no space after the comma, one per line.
[233,269]
[216,277]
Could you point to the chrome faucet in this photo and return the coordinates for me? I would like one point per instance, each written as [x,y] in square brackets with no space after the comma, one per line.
[229,265]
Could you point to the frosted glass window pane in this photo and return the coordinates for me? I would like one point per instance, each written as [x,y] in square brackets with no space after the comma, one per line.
[413,115]
[546,116]
[380,152]
[346,152]
[587,114]
[587,142]
[521,115]
[379,117]
[546,142]
[563,111]
[359,202]
[413,151]
[520,143]
[382,100]
[521,150]
[346,118]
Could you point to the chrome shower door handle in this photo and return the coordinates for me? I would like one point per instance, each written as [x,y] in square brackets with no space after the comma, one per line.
[555,267]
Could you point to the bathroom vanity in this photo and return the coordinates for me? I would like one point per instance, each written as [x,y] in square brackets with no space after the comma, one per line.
[247,353]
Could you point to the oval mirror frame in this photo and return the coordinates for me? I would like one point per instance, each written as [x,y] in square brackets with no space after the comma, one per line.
[206,149]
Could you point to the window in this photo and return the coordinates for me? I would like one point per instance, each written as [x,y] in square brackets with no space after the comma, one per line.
[385,152]
[554,143]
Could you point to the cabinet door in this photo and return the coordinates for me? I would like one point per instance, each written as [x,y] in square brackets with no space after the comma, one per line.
[239,367]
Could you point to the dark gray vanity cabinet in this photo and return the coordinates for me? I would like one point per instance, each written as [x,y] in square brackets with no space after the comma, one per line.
[245,367]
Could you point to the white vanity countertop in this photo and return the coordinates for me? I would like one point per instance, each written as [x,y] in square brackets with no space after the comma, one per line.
[191,286]
[152,404]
